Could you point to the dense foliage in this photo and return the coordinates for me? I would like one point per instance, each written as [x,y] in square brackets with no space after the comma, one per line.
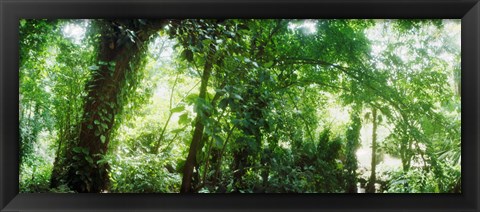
[248,106]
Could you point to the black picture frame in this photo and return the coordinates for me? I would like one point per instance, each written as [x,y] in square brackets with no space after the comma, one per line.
[12,10]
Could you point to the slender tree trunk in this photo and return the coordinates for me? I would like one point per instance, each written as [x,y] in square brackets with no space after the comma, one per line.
[65,132]
[371,183]
[405,155]
[220,157]
[170,114]
[54,178]
[199,126]
[266,163]
[353,134]
[239,165]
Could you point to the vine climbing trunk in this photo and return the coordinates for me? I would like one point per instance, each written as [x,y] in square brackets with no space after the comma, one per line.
[121,45]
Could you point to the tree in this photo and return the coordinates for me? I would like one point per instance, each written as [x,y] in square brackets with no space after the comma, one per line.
[120,49]
[353,142]
[238,105]
[372,180]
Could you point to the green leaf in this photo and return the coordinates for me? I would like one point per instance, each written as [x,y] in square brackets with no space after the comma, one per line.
[23,22]
[178,109]
[218,141]
[221,91]
[85,151]
[183,119]
[102,138]
[89,159]
[207,42]
[188,55]
[77,149]
[93,68]
[209,96]
[102,161]
[192,98]
[236,96]
[105,126]
[229,33]
[268,64]
[223,103]
[175,131]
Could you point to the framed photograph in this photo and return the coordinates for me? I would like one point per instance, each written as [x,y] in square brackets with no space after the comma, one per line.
[237,105]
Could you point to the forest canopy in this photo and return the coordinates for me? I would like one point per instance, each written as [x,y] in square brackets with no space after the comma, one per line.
[239,106]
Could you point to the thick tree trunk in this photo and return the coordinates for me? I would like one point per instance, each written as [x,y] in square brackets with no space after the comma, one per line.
[118,60]
[199,126]
[100,109]
[371,183]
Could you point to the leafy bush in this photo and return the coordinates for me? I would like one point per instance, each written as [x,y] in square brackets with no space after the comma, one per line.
[142,174]
[35,178]
[418,180]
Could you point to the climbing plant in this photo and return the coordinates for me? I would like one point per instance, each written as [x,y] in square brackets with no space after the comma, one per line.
[240,105]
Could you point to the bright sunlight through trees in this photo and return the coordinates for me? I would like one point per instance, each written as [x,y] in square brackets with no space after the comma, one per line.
[240,106]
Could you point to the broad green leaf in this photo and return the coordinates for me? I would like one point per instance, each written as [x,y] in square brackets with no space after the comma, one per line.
[183,119]
[191,98]
[105,126]
[85,151]
[178,109]
[77,149]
